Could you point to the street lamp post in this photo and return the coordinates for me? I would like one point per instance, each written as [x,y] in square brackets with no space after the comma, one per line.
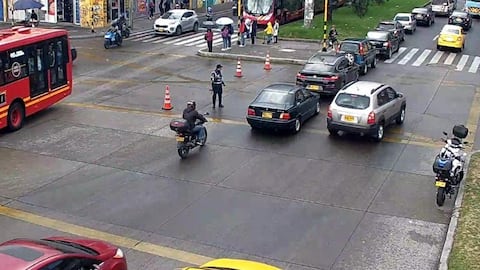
[325,19]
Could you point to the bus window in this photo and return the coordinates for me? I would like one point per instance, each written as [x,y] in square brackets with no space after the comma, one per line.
[58,59]
[2,80]
[15,67]
[37,69]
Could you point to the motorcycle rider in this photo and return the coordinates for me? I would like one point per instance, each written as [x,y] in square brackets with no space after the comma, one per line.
[191,115]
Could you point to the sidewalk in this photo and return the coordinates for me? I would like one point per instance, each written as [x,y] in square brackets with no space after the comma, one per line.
[140,23]
[285,52]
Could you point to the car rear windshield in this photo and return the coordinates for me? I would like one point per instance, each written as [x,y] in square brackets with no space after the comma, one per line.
[450,31]
[377,36]
[20,252]
[274,97]
[387,26]
[349,47]
[459,14]
[352,101]
[402,18]
[438,2]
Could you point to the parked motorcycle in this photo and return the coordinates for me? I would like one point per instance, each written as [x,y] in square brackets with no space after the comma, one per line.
[186,141]
[449,164]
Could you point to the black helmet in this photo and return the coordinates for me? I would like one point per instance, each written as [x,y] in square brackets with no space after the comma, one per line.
[192,103]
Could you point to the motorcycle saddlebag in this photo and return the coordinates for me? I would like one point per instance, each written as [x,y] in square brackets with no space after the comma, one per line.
[460,131]
[442,166]
[179,125]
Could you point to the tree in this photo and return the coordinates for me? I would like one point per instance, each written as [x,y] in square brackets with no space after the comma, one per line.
[360,7]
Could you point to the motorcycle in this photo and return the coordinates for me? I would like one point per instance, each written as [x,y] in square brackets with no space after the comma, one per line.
[112,38]
[186,141]
[449,164]
[209,14]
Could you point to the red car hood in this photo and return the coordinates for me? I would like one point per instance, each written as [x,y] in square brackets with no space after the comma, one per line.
[104,249]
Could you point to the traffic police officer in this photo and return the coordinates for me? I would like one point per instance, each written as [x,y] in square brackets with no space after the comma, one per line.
[217,85]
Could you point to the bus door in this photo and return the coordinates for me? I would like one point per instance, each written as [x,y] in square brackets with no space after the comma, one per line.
[57,62]
[37,70]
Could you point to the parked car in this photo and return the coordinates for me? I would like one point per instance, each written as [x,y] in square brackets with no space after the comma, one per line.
[232,264]
[365,108]
[326,73]
[462,19]
[444,7]
[451,36]
[282,106]
[361,51]
[176,21]
[384,42]
[395,27]
[424,15]
[61,253]
[408,21]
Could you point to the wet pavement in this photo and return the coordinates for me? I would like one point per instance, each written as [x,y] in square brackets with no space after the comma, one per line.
[105,159]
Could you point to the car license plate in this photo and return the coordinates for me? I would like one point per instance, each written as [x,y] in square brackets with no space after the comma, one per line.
[314,87]
[180,139]
[440,184]
[349,118]
[267,114]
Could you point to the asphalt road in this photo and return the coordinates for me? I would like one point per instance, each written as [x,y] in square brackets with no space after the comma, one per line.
[105,159]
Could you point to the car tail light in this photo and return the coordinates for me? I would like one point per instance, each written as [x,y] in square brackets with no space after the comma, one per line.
[329,113]
[118,254]
[387,44]
[331,78]
[300,76]
[285,116]
[459,38]
[361,50]
[371,118]
[250,111]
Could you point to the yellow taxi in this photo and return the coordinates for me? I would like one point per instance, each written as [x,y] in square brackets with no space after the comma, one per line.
[233,264]
[451,36]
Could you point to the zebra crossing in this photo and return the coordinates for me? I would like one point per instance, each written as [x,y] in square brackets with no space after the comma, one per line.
[190,39]
[416,57]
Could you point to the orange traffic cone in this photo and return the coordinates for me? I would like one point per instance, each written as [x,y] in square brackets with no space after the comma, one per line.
[238,73]
[167,105]
[267,62]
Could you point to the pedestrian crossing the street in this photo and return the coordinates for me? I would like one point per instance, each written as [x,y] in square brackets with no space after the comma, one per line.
[190,39]
[416,57]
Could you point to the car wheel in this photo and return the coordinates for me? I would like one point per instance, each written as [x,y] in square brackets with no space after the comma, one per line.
[298,125]
[364,69]
[332,132]
[374,62]
[439,47]
[195,27]
[178,31]
[389,54]
[401,117]
[317,108]
[379,133]
[356,77]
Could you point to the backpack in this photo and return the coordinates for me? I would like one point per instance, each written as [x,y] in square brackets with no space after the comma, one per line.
[230,29]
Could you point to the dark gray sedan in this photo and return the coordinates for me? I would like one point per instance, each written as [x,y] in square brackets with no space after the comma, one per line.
[282,106]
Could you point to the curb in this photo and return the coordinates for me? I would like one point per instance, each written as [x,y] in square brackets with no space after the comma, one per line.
[452,227]
[250,58]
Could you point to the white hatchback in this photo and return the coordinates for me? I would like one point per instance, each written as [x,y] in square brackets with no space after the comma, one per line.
[407,20]
[176,21]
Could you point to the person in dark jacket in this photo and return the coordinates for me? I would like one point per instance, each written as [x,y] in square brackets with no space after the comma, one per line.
[217,82]
[191,115]
[253,33]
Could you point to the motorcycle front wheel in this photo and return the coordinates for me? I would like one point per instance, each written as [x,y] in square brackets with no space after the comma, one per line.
[106,44]
[441,192]
[183,152]
[127,33]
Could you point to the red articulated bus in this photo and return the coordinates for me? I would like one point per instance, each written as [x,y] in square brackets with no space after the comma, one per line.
[35,72]
[284,10]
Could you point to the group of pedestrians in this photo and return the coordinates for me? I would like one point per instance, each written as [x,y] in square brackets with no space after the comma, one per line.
[165,5]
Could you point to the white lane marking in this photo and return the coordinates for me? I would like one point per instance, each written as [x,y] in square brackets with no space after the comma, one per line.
[435,38]
[409,56]
[142,38]
[395,56]
[436,57]
[422,58]
[193,39]
[450,58]
[189,36]
[163,39]
[150,39]
[463,61]
[476,62]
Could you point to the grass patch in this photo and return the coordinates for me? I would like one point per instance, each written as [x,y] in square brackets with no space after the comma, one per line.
[348,24]
[466,246]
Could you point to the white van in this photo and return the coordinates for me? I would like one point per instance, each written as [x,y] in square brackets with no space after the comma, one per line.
[444,7]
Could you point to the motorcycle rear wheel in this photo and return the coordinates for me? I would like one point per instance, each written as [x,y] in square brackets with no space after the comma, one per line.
[204,141]
[183,152]
[441,192]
